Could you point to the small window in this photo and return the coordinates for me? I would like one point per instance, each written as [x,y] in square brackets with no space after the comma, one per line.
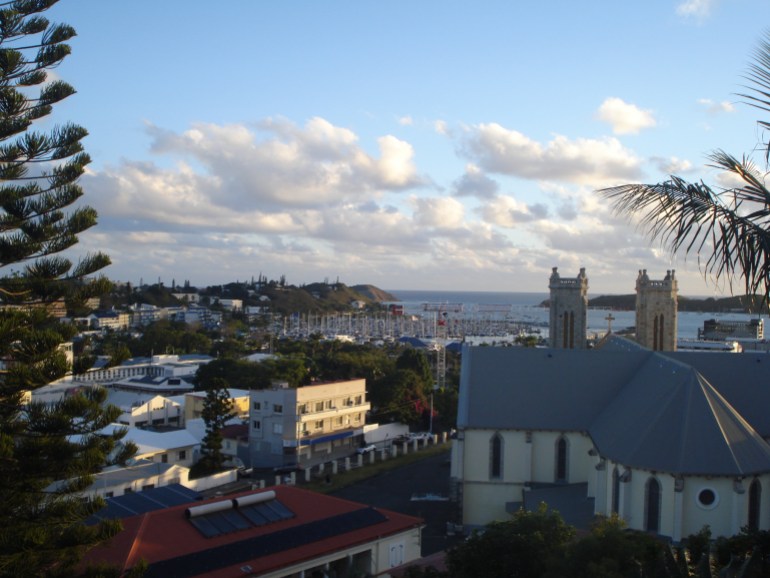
[708,498]
[277,408]
[257,424]
[277,428]
[319,424]
[328,404]
[148,487]
[164,458]
[319,406]
[127,490]
[109,494]
[182,455]
[257,405]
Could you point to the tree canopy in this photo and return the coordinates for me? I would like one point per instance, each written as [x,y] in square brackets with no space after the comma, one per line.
[48,453]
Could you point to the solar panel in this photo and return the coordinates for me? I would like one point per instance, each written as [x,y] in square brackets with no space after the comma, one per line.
[280,541]
[229,518]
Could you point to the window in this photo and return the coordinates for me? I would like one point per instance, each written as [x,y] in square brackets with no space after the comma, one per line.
[338,421]
[561,460]
[707,498]
[164,458]
[319,406]
[277,428]
[319,424]
[496,457]
[755,499]
[615,491]
[277,408]
[148,487]
[257,405]
[328,404]
[652,506]
[359,399]
[257,424]
[182,455]
[127,490]
[108,494]
[302,409]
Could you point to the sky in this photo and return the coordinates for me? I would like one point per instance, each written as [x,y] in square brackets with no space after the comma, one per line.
[438,145]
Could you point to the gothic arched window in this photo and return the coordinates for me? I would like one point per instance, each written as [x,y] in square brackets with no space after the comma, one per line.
[496,456]
[615,490]
[652,506]
[755,500]
[561,459]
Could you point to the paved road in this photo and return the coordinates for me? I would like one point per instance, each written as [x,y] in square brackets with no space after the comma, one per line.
[395,489]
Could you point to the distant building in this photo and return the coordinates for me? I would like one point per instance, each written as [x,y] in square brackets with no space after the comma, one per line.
[195,400]
[722,329]
[295,425]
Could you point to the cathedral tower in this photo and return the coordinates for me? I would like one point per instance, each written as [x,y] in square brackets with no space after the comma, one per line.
[569,309]
[656,312]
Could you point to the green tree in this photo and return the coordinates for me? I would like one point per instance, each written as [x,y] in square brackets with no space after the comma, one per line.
[217,409]
[728,228]
[523,547]
[41,533]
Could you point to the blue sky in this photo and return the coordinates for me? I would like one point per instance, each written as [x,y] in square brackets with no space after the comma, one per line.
[407,144]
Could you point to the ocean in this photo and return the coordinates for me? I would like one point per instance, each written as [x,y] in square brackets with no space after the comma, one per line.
[525,307]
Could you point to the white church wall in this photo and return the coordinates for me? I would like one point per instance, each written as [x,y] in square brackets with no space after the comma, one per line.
[544,456]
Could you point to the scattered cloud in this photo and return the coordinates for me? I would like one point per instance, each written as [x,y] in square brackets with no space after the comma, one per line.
[625,118]
[406,121]
[696,9]
[594,162]
[673,165]
[713,107]
[475,183]
[441,127]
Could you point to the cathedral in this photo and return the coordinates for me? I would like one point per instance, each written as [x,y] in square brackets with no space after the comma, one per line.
[669,441]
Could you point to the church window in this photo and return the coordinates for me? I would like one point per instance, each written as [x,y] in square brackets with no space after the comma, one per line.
[708,498]
[496,457]
[755,498]
[561,459]
[615,491]
[652,506]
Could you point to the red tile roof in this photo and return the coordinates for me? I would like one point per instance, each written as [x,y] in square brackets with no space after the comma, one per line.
[164,535]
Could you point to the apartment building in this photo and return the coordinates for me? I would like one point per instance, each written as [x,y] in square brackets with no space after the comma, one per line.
[306,424]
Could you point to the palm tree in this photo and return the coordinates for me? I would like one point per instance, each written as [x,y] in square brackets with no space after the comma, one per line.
[728,229]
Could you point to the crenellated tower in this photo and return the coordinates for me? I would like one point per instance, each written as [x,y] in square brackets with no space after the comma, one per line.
[569,311]
[656,312]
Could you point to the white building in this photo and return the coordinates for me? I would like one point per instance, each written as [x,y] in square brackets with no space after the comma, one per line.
[670,441]
[294,425]
[141,409]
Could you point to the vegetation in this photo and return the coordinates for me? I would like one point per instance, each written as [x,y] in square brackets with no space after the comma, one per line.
[41,530]
[726,227]
[217,409]
[540,545]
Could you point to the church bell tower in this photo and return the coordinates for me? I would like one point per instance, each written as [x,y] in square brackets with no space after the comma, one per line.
[656,312]
[569,311]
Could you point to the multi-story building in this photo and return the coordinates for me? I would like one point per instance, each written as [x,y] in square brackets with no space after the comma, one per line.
[304,424]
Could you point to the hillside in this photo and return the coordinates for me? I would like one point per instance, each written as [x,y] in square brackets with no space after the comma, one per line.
[323,297]
[709,305]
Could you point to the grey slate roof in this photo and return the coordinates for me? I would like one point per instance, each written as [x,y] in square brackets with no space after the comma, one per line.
[642,409]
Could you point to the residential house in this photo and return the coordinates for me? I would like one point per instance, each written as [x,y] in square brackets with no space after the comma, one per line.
[282,531]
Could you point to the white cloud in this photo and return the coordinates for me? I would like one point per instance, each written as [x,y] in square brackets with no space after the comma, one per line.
[438,212]
[713,107]
[625,118]
[406,121]
[441,127]
[698,9]
[673,165]
[594,162]
[285,165]
[505,211]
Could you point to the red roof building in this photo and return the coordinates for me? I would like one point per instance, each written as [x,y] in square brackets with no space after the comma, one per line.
[281,531]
